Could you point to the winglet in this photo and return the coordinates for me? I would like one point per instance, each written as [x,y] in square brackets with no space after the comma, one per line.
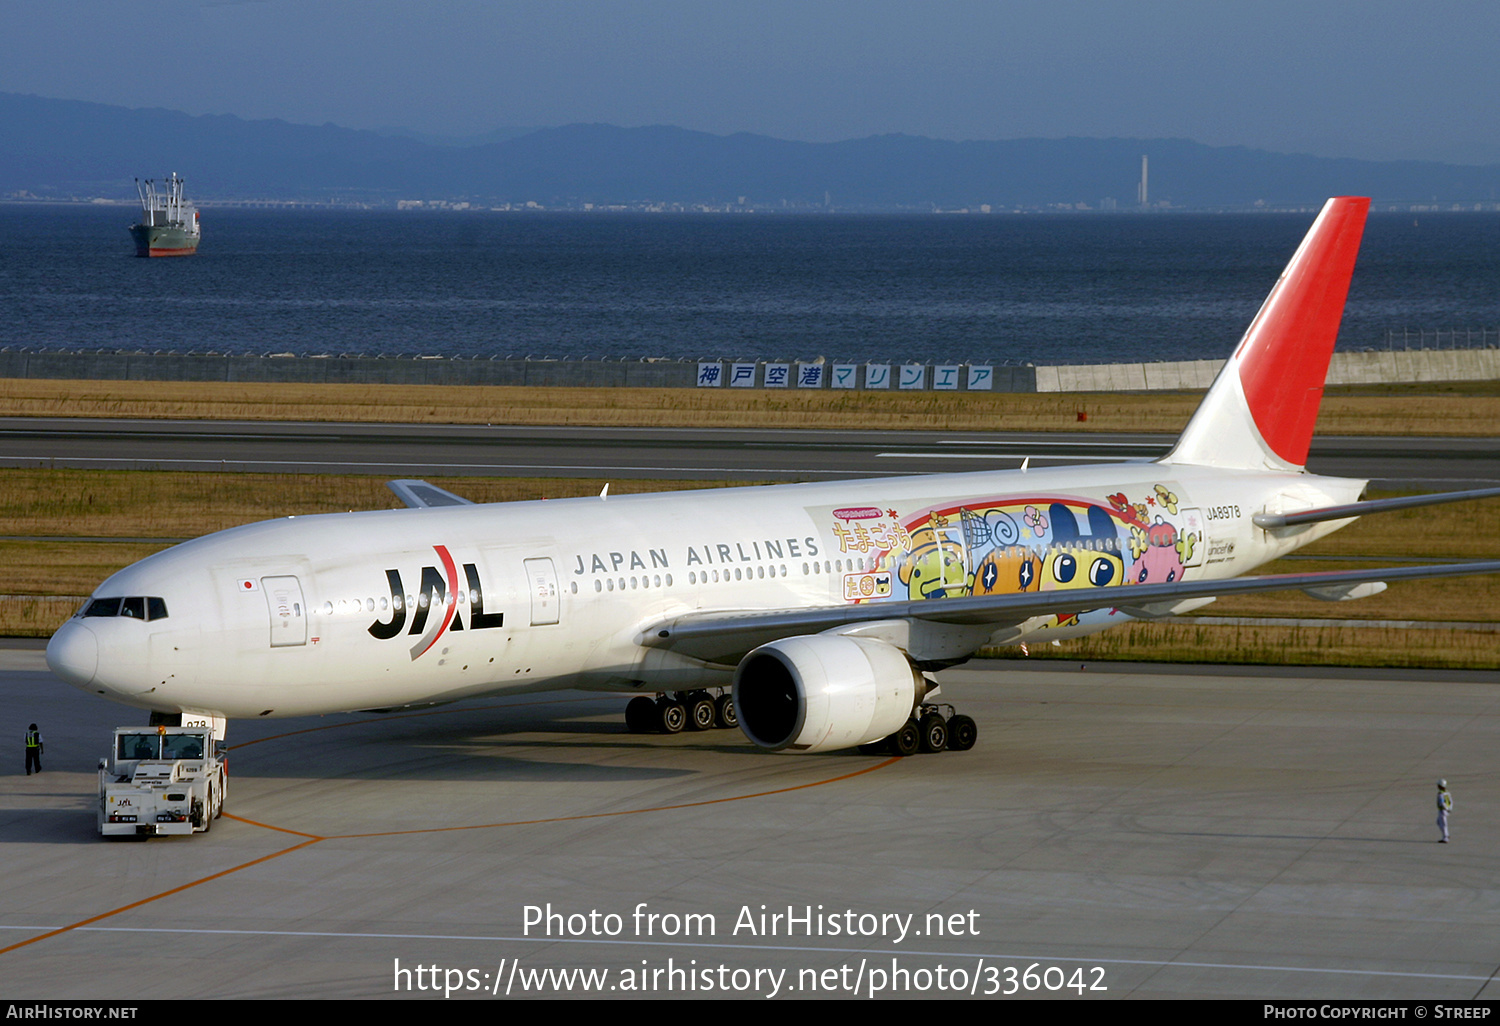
[1263,406]
[421,494]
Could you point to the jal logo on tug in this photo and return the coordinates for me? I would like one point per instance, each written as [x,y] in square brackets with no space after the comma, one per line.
[433,611]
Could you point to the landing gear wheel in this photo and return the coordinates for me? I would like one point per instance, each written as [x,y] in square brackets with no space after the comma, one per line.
[640,715]
[724,714]
[701,711]
[934,730]
[671,716]
[907,740]
[962,733]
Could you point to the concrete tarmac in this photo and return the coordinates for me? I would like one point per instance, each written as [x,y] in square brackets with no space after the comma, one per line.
[1118,831]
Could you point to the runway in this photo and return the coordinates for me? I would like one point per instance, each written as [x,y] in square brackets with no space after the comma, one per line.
[1117,832]
[619,453]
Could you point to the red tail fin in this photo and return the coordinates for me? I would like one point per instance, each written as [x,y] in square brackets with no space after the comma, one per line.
[1263,406]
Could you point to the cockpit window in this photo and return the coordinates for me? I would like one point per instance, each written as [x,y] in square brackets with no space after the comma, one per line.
[137,607]
[103,607]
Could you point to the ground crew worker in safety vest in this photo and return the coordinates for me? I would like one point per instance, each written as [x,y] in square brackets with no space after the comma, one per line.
[1445,806]
[33,749]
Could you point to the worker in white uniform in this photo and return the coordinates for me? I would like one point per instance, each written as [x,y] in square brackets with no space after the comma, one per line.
[1445,806]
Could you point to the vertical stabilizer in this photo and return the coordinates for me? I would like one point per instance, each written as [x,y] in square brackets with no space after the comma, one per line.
[1262,408]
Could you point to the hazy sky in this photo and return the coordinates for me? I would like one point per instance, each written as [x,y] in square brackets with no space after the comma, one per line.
[1360,78]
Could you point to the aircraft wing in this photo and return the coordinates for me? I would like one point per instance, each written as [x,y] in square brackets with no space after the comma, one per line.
[421,494]
[727,637]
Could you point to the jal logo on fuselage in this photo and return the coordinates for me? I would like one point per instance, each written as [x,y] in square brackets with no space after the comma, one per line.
[433,610]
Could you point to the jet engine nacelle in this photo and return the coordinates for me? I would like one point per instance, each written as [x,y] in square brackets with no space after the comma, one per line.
[824,692]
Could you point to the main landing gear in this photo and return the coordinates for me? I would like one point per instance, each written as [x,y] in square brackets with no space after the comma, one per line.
[680,710]
[928,731]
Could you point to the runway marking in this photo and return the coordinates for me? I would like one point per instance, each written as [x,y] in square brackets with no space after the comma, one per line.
[314,838]
[696,944]
[1071,457]
[1102,443]
[628,812]
[271,826]
[156,897]
[531,822]
[224,464]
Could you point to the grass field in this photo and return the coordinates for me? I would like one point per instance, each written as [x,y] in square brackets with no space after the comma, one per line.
[1278,645]
[1471,409]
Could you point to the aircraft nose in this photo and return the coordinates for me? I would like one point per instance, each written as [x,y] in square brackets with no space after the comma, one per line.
[73,653]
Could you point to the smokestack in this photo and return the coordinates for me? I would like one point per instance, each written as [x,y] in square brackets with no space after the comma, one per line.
[1141,196]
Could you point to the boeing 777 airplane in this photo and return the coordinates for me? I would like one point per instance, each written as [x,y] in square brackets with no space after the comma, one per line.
[824,608]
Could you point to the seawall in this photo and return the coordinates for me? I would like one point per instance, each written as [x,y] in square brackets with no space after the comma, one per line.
[1388,367]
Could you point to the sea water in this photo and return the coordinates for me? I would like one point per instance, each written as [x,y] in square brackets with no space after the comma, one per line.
[941,288]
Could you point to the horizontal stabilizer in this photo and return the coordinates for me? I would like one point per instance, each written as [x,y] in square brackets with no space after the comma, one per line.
[1272,521]
[421,495]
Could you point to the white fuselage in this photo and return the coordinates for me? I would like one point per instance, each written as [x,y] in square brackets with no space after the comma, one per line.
[402,607]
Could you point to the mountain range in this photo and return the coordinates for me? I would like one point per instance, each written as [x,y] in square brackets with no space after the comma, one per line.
[67,149]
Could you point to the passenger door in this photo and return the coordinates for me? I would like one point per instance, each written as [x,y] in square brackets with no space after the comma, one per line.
[541,581]
[287,609]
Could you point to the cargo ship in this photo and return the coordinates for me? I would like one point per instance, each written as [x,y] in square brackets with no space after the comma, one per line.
[169,224]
